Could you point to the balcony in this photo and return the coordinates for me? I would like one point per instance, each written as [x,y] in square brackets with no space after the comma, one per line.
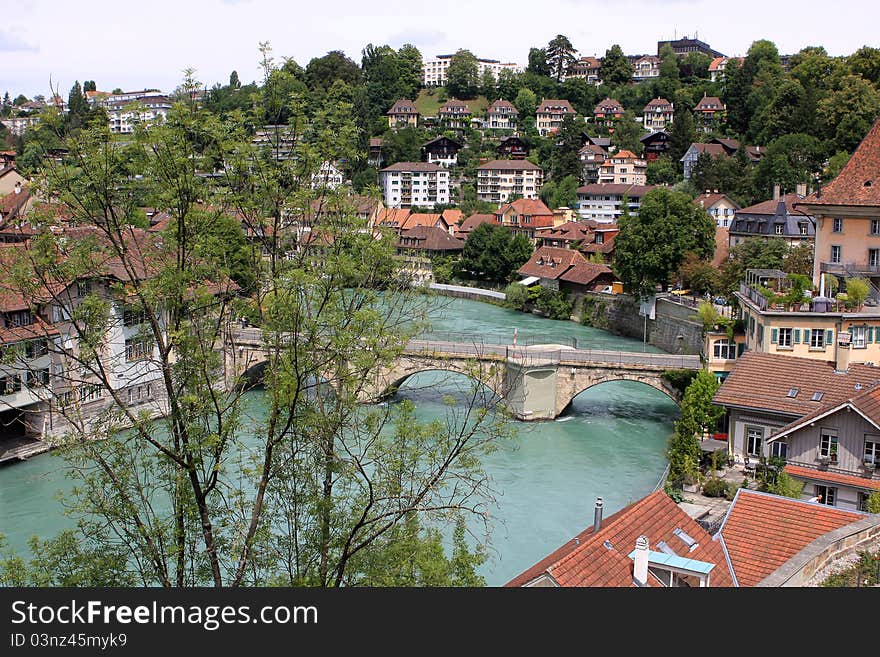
[849,268]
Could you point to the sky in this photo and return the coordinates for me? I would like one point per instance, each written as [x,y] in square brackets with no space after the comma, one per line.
[49,44]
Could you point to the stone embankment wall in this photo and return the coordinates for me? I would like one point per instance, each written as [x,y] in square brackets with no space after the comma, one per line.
[672,330]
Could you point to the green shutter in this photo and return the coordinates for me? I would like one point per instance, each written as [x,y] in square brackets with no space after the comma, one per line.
[740,348]
[807,337]
[797,336]
[869,334]
[774,335]
[829,336]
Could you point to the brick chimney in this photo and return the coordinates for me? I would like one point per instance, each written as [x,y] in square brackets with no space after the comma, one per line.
[775,192]
[801,189]
[640,561]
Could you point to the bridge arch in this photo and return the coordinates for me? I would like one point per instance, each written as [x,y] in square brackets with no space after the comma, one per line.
[489,375]
[568,394]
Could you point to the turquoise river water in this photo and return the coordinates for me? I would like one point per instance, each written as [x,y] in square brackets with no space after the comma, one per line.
[610,443]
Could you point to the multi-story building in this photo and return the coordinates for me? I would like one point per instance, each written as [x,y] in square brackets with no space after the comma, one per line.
[501,115]
[710,111]
[778,217]
[499,180]
[847,212]
[454,114]
[656,144]
[549,115]
[604,203]
[526,216]
[512,147]
[718,206]
[328,176]
[435,70]
[623,168]
[403,114]
[692,154]
[718,67]
[607,111]
[646,67]
[128,109]
[592,158]
[685,45]
[408,184]
[586,68]
[417,247]
[441,150]
[658,114]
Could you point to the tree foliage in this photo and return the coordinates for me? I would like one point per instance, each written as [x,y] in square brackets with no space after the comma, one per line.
[463,76]
[616,69]
[493,253]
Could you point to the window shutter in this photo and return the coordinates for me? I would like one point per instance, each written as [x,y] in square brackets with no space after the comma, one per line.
[807,337]
[797,336]
[774,335]
[869,334]
[829,336]
[740,348]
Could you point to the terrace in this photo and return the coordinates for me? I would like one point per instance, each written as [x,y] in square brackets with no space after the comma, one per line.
[772,290]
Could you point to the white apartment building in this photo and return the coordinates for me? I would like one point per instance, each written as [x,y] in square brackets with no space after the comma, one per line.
[127,109]
[604,202]
[499,180]
[623,168]
[434,70]
[408,184]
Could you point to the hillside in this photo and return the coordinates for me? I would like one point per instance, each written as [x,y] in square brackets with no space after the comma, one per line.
[428,102]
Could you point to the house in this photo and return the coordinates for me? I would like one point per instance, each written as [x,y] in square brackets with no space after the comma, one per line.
[407,184]
[549,115]
[569,235]
[732,146]
[623,168]
[464,229]
[601,242]
[513,148]
[10,180]
[499,180]
[835,450]
[650,543]
[419,245]
[656,144]
[718,67]
[604,202]
[779,217]
[607,111]
[403,114]
[454,114]
[566,270]
[766,392]
[685,45]
[328,176]
[692,154]
[587,68]
[646,67]
[718,206]
[527,217]
[592,158]
[501,115]
[847,212]
[658,114]
[13,206]
[127,109]
[710,110]
[441,150]
[375,158]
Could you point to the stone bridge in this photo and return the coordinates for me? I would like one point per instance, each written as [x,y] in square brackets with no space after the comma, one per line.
[535,381]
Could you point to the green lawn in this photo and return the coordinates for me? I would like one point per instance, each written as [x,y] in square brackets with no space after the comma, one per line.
[428,102]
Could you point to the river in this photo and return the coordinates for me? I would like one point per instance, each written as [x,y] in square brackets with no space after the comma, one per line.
[610,443]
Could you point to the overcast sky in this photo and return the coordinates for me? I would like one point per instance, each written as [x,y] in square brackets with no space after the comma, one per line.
[134,45]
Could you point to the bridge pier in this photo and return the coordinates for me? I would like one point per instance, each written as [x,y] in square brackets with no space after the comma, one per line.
[530,390]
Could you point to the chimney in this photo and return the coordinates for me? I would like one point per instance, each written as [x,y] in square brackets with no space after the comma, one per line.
[640,561]
[597,515]
[841,355]
[775,192]
[801,189]
[18,188]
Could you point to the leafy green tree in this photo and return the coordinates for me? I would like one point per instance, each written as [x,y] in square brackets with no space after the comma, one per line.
[581,94]
[628,133]
[874,502]
[697,403]
[752,254]
[663,171]
[568,139]
[488,85]
[538,63]
[322,72]
[865,62]
[848,112]
[741,95]
[526,103]
[493,253]
[89,85]
[697,274]
[641,260]
[694,67]
[509,84]
[404,145]
[560,55]
[615,69]
[668,82]
[799,259]
[463,77]
[857,290]
[516,296]
[835,165]
[409,70]
[789,160]
[790,111]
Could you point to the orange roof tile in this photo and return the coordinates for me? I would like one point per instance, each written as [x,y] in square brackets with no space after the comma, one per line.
[814,474]
[762,531]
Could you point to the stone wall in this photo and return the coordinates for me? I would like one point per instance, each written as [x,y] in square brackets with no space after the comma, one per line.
[672,329]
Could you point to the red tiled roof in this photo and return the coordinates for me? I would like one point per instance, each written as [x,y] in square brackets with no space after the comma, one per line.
[866,403]
[633,191]
[714,150]
[413,166]
[624,155]
[713,66]
[858,183]
[475,220]
[658,102]
[570,231]
[609,105]
[762,532]
[551,262]
[762,381]
[501,103]
[531,206]
[551,104]
[452,217]
[424,219]
[769,207]
[706,104]
[832,477]
[395,217]
[708,199]
[429,238]
[586,273]
[601,558]
[403,106]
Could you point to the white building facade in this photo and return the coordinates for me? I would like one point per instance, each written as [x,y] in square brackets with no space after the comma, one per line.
[408,184]
[435,70]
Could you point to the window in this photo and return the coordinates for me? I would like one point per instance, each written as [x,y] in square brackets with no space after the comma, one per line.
[83,288]
[137,349]
[828,445]
[780,229]
[858,337]
[37,379]
[724,350]
[817,339]
[803,229]
[785,337]
[132,316]
[872,451]
[10,385]
[874,257]
[837,225]
[826,494]
[779,449]
[835,254]
[863,501]
[600,238]
[36,348]
[875,226]
[754,438]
